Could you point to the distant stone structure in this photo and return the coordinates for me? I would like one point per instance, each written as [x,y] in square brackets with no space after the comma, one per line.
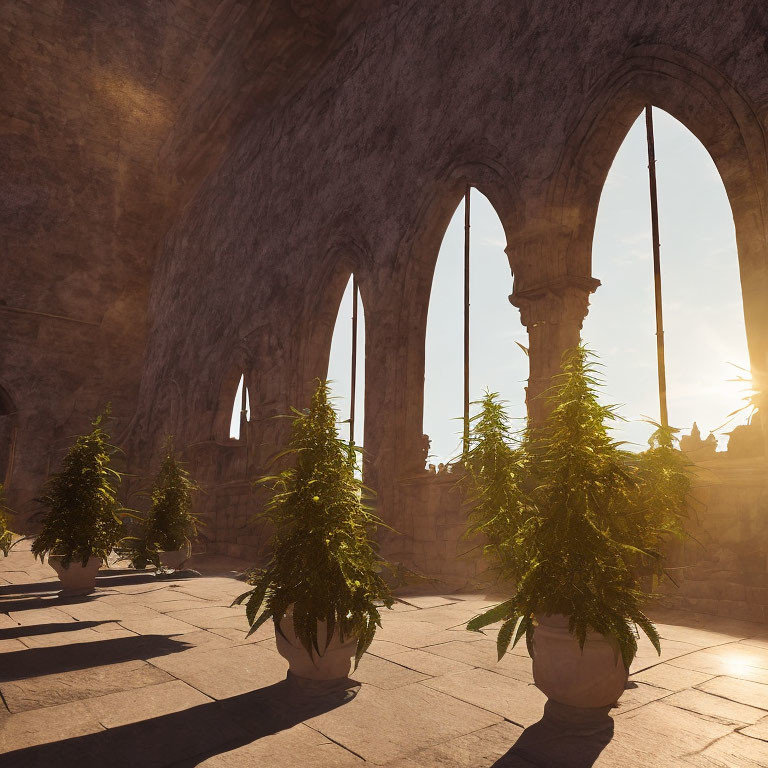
[747,440]
[696,448]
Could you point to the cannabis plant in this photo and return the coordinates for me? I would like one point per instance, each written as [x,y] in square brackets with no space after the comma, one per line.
[82,511]
[6,534]
[323,563]
[170,524]
[496,471]
[595,522]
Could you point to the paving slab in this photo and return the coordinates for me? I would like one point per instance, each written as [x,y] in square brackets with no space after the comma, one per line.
[386,649]
[373,670]
[636,695]
[156,625]
[300,746]
[429,663]
[658,735]
[480,749]
[44,726]
[49,690]
[743,691]
[732,751]
[732,664]
[484,654]
[671,678]
[519,702]
[413,634]
[212,616]
[757,731]
[718,708]
[104,680]
[225,672]
[381,725]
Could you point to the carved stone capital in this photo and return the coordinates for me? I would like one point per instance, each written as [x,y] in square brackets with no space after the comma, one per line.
[564,300]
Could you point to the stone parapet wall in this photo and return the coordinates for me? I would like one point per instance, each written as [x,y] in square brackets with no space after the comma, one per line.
[722,566]
[431,520]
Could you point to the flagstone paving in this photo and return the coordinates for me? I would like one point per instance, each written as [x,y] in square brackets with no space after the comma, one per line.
[159,672]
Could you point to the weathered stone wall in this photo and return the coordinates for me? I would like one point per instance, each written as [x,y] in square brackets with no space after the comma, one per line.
[112,113]
[363,169]
[188,188]
[722,566]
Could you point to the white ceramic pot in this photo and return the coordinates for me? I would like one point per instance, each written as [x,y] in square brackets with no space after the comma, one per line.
[333,663]
[174,559]
[76,578]
[593,678]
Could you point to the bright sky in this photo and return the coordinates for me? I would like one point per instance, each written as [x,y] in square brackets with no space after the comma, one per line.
[703,314]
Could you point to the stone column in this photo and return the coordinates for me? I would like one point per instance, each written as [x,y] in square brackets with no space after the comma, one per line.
[553,314]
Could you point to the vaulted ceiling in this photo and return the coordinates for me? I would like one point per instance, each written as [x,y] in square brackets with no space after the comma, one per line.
[113,112]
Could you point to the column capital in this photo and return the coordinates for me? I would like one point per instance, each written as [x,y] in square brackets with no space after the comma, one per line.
[561,300]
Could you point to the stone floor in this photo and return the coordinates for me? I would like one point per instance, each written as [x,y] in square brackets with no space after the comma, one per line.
[150,672]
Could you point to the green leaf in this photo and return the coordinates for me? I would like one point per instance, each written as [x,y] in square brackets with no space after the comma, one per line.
[491,616]
[650,630]
[505,635]
[258,622]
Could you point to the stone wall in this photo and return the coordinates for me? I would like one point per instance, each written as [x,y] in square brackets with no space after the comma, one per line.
[722,567]
[188,188]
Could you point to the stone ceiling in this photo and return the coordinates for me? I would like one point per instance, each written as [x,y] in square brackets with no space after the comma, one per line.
[113,112]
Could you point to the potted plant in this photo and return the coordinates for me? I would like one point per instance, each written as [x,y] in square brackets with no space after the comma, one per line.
[593,525]
[81,523]
[6,534]
[495,465]
[170,525]
[322,586]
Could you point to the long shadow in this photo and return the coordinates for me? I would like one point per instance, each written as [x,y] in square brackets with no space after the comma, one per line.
[550,745]
[31,587]
[186,738]
[34,662]
[129,578]
[53,600]
[30,603]
[47,629]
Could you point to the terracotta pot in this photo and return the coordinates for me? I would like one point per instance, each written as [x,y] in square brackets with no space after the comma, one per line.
[334,662]
[591,679]
[76,578]
[174,559]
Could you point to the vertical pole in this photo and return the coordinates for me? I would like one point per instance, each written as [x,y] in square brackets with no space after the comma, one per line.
[244,410]
[664,420]
[353,378]
[466,319]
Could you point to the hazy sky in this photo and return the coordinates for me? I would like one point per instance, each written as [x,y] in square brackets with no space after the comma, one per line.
[703,314]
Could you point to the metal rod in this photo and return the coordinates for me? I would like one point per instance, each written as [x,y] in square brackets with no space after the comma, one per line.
[353,378]
[664,416]
[243,410]
[466,319]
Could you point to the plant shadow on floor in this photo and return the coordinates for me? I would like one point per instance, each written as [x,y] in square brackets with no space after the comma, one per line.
[185,739]
[547,744]
[11,633]
[48,660]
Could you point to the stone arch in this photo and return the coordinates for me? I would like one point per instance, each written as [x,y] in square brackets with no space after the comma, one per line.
[726,125]
[8,433]
[416,263]
[326,286]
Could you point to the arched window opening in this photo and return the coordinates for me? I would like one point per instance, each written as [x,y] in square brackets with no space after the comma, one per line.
[241,409]
[346,366]
[8,430]
[496,362]
[704,331]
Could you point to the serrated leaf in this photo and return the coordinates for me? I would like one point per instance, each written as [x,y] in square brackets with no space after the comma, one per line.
[491,616]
